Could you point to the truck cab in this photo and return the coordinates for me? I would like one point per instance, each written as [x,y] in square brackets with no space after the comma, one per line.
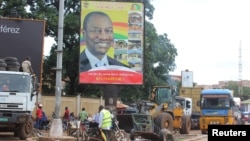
[186,103]
[216,108]
[17,103]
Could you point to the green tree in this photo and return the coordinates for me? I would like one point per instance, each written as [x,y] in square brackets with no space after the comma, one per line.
[233,85]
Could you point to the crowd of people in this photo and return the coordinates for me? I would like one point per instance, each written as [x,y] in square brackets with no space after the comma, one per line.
[102,120]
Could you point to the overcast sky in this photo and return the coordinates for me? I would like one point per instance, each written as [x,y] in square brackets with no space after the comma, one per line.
[207,35]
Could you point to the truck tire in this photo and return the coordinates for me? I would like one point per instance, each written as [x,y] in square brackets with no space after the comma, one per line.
[2,64]
[12,68]
[2,61]
[12,64]
[10,59]
[2,68]
[186,125]
[164,120]
[25,130]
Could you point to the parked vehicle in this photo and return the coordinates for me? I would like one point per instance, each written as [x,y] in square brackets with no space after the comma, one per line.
[163,113]
[246,116]
[218,107]
[18,101]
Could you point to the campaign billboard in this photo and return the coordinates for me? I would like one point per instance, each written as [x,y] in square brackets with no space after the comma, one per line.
[111,43]
[21,38]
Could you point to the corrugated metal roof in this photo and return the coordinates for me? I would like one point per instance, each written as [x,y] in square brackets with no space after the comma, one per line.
[245,101]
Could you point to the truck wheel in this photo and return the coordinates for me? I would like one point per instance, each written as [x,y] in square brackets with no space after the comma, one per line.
[25,130]
[186,125]
[164,120]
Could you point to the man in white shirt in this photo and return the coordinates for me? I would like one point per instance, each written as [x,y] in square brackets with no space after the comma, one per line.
[96,117]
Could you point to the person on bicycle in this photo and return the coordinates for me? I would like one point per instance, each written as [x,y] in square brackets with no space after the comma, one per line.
[83,115]
[66,118]
[105,122]
[66,114]
[95,120]
[72,116]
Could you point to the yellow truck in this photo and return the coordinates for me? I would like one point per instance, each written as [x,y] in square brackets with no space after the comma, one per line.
[194,94]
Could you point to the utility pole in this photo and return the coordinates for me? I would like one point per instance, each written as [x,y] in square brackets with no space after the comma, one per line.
[240,89]
[56,128]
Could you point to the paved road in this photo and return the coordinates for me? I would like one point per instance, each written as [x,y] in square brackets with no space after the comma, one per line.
[195,135]
[8,137]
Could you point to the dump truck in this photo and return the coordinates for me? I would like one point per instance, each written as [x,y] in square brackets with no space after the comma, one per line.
[194,94]
[159,118]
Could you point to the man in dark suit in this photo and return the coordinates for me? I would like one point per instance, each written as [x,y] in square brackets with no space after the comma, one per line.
[98,31]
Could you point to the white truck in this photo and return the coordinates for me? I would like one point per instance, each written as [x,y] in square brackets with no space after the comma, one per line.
[18,101]
[186,103]
[237,101]
[237,109]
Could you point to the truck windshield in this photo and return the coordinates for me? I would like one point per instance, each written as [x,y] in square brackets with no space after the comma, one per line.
[15,83]
[215,101]
[164,95]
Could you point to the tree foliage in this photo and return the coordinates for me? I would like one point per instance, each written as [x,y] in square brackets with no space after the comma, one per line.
[158,48]
[233,85]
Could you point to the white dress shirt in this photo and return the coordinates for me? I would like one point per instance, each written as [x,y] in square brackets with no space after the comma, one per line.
[95,62]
